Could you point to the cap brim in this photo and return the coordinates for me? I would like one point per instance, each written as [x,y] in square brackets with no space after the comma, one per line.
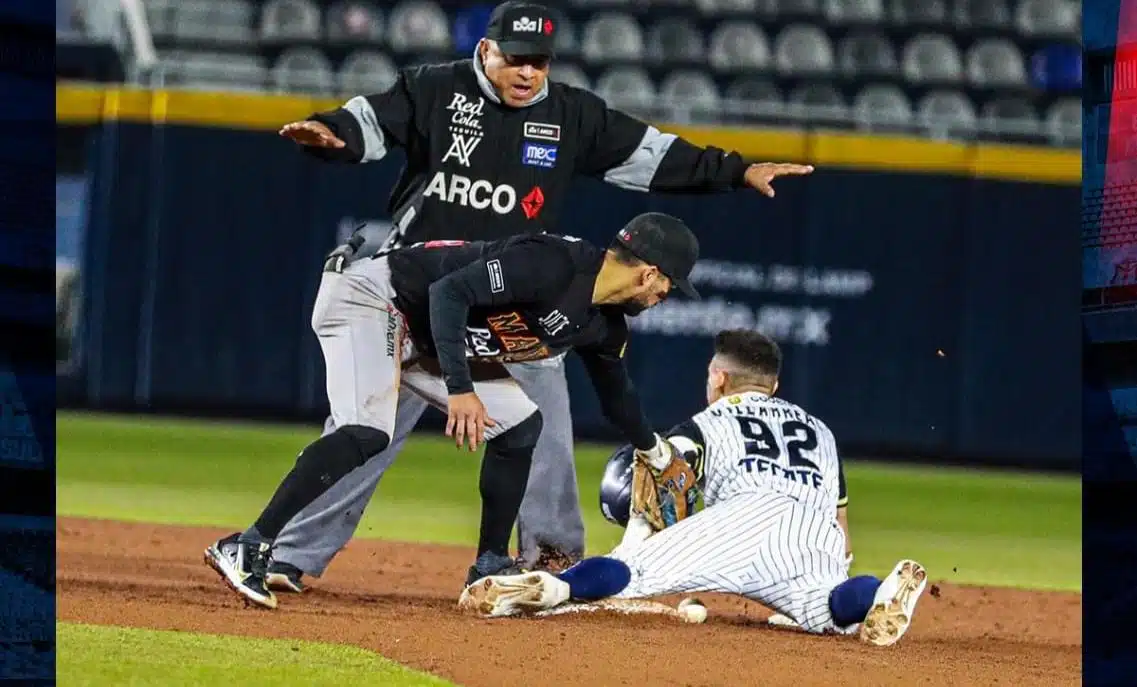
[525,48]
[686,289]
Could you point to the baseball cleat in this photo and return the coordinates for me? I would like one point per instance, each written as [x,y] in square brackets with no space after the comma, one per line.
[894,603]
[242,565]
[285,577]
[499,596]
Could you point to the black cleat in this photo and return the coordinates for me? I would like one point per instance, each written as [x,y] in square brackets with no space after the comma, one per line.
[285,577]
[242,566]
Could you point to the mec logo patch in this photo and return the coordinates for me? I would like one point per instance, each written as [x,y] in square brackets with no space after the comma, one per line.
[539,155]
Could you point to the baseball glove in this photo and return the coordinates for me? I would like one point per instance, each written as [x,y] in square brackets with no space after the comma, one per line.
[663,497]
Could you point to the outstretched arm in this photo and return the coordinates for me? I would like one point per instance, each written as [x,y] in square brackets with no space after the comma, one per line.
[364,129]
[628,153]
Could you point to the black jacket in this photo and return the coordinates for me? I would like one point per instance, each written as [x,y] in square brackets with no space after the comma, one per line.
[479,170]
[516,299]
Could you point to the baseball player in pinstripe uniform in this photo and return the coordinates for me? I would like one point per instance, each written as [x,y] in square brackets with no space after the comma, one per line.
[773,528]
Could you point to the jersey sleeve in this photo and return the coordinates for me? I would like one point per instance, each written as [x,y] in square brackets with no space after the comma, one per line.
[619,400]
[527,270]
[687,438]
[630,154]
[370,125]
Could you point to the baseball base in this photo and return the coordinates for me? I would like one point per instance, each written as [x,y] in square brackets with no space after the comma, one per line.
[689,610]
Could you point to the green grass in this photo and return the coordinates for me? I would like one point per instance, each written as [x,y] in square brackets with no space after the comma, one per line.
[969,526]
[90,655]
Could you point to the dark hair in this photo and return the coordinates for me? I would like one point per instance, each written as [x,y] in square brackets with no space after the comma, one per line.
[752,350]
[623,255]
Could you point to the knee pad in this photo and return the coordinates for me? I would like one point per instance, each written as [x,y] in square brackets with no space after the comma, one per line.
[367,441]
[521,437]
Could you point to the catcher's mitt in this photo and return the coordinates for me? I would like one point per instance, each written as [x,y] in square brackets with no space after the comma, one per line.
[663,497]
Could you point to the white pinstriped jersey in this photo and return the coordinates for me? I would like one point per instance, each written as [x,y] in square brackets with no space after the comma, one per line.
[772,481]
[754,443]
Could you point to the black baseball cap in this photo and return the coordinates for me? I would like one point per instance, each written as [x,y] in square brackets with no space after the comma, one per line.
[523,28]
[667,243]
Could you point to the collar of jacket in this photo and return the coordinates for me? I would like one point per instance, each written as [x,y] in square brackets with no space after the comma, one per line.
[491,93]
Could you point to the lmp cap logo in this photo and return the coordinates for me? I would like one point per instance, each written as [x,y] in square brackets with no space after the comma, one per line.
[527,25]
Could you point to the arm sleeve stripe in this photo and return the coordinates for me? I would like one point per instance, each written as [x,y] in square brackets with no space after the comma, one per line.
[374,143]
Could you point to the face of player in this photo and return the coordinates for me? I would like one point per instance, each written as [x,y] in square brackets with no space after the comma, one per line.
[650,289]
[517,78]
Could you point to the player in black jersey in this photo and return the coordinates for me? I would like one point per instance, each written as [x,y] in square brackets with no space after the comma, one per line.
[440,319]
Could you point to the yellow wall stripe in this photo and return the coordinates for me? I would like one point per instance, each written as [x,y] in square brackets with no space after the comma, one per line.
[90,104]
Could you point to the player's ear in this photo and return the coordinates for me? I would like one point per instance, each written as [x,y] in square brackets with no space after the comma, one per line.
[775,389]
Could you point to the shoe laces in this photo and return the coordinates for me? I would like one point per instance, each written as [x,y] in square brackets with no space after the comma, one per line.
[258,558]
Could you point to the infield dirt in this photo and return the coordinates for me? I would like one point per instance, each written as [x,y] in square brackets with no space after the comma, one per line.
[400,600]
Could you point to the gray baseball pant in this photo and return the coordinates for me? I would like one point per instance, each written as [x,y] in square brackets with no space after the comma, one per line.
[550,513]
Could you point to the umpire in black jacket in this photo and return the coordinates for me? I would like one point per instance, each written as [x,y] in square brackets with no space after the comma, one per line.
[492,146]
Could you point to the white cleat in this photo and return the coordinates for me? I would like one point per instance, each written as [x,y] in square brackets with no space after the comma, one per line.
[498,596]
[894,603]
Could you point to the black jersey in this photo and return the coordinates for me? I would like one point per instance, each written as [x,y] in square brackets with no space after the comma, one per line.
[479,170]
[515,299]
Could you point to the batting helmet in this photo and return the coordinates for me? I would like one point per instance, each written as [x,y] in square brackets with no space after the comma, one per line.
[616,487]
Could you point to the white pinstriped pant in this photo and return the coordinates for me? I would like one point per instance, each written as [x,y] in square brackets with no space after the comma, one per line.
[764,546]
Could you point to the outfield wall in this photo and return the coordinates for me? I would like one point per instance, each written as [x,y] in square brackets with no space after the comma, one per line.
[916,286]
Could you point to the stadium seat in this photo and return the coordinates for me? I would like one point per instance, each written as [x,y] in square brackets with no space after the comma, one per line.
[1048,18]
[675,40]
[882,104]
[160,17]
[212,71]
[750,94]
[612,37]
[210,21]
[941,111]
[817,100]
[303,70]
[569,74]
[365,72]
[866,54]
[689,89]
[739,45]
[284,21]
[919,12]
[567,42]
[803,49]
[995,62]
[625,86]
[854,11]
[932,58]
[1009,115]
[468,26]
[982,14]
[1064,121]
[354,22]
[418,26]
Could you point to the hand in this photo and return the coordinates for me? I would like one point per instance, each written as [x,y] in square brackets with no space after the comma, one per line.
[313,134]
[466,418]
[760,175]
